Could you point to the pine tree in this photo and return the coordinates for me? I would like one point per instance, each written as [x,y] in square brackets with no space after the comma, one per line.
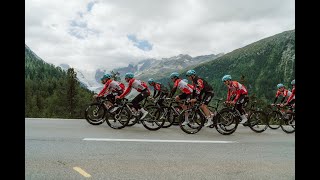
[71,94]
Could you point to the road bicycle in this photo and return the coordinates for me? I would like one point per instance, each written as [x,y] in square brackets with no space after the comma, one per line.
[152,120]
[99,111]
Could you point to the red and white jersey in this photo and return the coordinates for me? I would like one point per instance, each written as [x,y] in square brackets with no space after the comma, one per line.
[236,88]
[284,93]
[111,86]
[136,84]
[183,86]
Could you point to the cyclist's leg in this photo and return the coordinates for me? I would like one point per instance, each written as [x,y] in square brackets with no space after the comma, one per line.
[239,107]
[291,105]
[162,96]
[136,102]
[186,115]
[206,100]
[239,104]
[110,97]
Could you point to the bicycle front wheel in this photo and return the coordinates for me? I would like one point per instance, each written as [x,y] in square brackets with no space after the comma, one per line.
[119,119]
[152,120]
[274,119]
[288,122]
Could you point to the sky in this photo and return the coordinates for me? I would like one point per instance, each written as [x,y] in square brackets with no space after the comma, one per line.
[106,34]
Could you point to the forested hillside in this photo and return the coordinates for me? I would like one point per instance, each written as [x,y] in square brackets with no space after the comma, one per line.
[51,92]
[260,66]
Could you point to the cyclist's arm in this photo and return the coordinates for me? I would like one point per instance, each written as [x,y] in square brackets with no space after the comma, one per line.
[291,96]
[103,91]
[238,93]
[229,94]
[127,91]
[173,91]
[156,93]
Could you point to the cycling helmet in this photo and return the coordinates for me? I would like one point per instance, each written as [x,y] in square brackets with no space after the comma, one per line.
[185,80]
[151,80]
[280,86]
[174,74]
[105,76]
[191,72]
[293,82]
[129,75]
[226,77]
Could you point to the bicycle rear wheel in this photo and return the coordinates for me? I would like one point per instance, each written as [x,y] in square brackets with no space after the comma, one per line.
[258,121]
[226,122]
[95,113]
[196,121]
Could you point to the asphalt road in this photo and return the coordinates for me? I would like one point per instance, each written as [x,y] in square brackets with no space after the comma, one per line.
[74,149]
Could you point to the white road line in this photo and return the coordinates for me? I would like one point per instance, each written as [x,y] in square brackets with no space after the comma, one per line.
[82,172]
[156,140]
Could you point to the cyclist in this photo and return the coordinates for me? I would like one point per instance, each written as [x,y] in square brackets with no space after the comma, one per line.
[241,96]
[111,89]
[141,87]
[291,99]
[159,90]
[282,91]
[206,90]
[187,90]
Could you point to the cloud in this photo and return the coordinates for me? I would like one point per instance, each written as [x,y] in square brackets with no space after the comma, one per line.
[107,34]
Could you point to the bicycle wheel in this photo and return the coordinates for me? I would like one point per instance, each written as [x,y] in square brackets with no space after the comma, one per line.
[226,122]
[274,119]
[169,116]
[152,121]
[258,121]
[119,119]
[196,121]
[288,122]
[132,120]
[95,113]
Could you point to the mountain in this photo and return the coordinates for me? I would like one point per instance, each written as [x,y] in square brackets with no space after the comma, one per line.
[151,68]
[85,78]
[260,66]
[50,91]
[143,69]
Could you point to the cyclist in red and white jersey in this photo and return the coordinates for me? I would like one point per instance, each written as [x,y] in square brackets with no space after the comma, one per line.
[282,91]
[111,88]
[234,87]
[187,91]
[141,87]
[291,99]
